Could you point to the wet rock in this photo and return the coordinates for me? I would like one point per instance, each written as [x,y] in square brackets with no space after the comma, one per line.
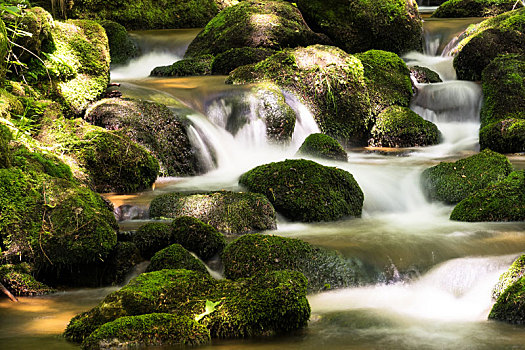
[194,66]
[302,190]
[472,8]
[424,75]
[322,146]
[19,281]
[513,274]
[130,212]
[509,305]
[198,237]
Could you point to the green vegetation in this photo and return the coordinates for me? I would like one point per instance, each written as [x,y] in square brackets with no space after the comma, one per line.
[121,47]
[509,306]
[303,190]
[227,61]
[473,8]
[514,273]
[198,237]
[506,135]
[453,182]
[19,281]
[398,126]
[502,201]
[194,66]
[228,212]
[152,237]
[361,25]
[322,146]
[254,254]
[175,257]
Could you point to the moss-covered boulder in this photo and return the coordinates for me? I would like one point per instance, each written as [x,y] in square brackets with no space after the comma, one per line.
[473,8]
[148,14]
[254,254]
[228,212]
[453,182]
[501,201]
[322,146]
[361,25]
[254,23]
[509,306]
[303,190]
[152,125]
[330,82]
[398,126]
[503,109]
[158,329]
[228,60]
[260,305]
[424,75]
[175,257]
[485,41]
[121,47]
[152,237]
[193,66]
[19,281]
[387,78]
[198,237]
[121,260]
[514,273]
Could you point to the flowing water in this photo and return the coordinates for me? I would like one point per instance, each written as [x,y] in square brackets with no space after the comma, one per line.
[426,280]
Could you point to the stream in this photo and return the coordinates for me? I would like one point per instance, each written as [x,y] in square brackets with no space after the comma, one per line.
[430,278]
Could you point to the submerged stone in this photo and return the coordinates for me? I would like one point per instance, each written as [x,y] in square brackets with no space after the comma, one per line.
[303,190]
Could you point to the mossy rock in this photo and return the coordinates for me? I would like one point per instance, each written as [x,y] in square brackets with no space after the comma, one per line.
[121,47]
[254,23]
[152,237]
[387,78]
[153,126]
[5,154]
[502,201]
[361,25]
[453,182]
[157,329]
[322,146]
[228,60]
[19,281]
[513,274]
[503,109]
[122,259]
[509,306]
[327,79]
[254,254]
[228,212]
[302,190]
[505,136]
[261,305]
[148,14]
[198,237]
[398,126]
[503,34]
[175,257]
[424,75]
[473,8]
[194,66]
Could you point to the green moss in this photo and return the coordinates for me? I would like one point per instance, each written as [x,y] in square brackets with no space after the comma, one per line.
[175,257]
[254,254]
[18,280]
[257,306]
[228,60]
[253,23]
[424,75]
[3,50]
[149,14]
[322,146]
[485,41]
[502,201]
[152,125]
[453,182]
[398,126]
[198,237]
[228,212]
[303,190]
[510,306]
[5,154]
[194,66]
[151,329]
[514,273]
[152,237]
[121,47]
[387,78]
[361,25]
[505,136]
[121,260]
[472,8]
[114,162]
[330,82]
[41,162]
